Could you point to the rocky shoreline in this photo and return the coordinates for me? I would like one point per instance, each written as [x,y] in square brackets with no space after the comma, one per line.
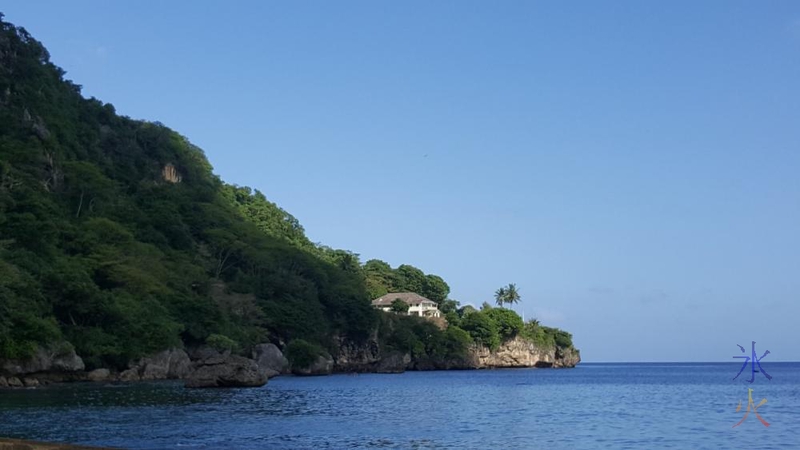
[204,367]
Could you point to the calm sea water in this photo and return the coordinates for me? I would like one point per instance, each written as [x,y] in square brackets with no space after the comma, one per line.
[608,406]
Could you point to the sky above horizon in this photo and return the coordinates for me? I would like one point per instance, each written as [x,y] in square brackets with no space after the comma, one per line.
[632,166]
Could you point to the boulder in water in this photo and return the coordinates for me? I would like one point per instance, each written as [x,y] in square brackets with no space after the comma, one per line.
[98,375]
[270,360]
[228,371]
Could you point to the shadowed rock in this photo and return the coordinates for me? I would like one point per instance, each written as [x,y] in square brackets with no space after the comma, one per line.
[270,360]
[228,371]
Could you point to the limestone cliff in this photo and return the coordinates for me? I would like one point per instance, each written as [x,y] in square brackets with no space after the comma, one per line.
[516,352]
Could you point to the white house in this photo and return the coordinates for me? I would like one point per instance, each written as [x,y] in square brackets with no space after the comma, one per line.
[417,304]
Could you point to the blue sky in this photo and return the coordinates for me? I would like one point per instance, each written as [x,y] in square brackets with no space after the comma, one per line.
[633,166]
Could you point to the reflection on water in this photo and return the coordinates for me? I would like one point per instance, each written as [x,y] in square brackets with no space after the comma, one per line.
[592,406]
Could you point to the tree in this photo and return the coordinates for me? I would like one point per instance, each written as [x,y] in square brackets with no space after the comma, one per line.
[482,328]
[399,306]
[435,288]
[507,295]
[500,296]
[508,322]
[512,294]
[448,305]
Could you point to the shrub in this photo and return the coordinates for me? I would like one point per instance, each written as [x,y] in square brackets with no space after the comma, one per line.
[482,329]
[399,306]
[508,322]
[301,354]
[221,342]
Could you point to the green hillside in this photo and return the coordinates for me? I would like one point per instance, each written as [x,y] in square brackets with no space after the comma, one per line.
[117,238]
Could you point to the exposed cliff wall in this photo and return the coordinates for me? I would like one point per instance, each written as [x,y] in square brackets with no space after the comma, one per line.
[516,352]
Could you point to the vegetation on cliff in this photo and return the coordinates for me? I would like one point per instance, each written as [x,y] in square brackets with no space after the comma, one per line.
[116,236]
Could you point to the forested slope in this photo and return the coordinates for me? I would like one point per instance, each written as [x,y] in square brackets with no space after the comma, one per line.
[117,238]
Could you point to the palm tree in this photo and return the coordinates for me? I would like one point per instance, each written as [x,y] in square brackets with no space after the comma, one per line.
[512,294]
[500,296]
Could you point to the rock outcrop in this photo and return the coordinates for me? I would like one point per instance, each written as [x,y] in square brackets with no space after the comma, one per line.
[129,375]
[270,360]
[56,358]
[351,356]
[393,362]
[323,365]
[98,375]
[518,352]
[367,357]
[168,364]
[225,371]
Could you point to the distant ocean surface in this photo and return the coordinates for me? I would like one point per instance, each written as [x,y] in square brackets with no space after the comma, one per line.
[594,406]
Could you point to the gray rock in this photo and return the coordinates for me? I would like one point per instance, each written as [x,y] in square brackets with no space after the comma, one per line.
[179,364]
[204,352]
[172,363]
[14,382]
[98,375]
[356,356]
[231,371]
[322,366]
[394,362]
[56,358]
[270,360]
[30,382]
[129,375]
[3,382]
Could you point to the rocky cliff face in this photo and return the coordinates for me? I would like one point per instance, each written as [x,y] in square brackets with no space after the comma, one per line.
[518,352]
[206,367]
[351,356]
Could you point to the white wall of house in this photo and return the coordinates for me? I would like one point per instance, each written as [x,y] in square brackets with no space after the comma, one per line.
[422,310]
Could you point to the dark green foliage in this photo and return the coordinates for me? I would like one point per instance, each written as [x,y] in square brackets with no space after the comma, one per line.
[421,338]
[116,235]
[482,329]
[382,279]
[448,305]
[301,354]
[546,337]
[399,306]
[221,342]
[508,322]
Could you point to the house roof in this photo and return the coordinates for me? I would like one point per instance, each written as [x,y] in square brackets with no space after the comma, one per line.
[410,298]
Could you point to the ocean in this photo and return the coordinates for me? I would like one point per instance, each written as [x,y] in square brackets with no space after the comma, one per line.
[593,406]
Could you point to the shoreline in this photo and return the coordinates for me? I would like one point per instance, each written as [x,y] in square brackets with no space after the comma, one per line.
[47,381]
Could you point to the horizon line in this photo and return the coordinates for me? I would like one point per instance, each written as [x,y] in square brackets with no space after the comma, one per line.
[675,362]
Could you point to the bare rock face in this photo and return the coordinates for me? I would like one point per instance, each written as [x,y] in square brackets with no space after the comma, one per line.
[270,360]
[129,375]
[3,382]
[322,366]
[227,371]
[56,358]
[30,382]
[98,375]
[394,362]
[14,382]
[172,363]
[518,352]
[352,356]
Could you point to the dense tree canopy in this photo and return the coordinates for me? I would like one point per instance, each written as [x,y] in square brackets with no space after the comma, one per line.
[117,238]
[382,279]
